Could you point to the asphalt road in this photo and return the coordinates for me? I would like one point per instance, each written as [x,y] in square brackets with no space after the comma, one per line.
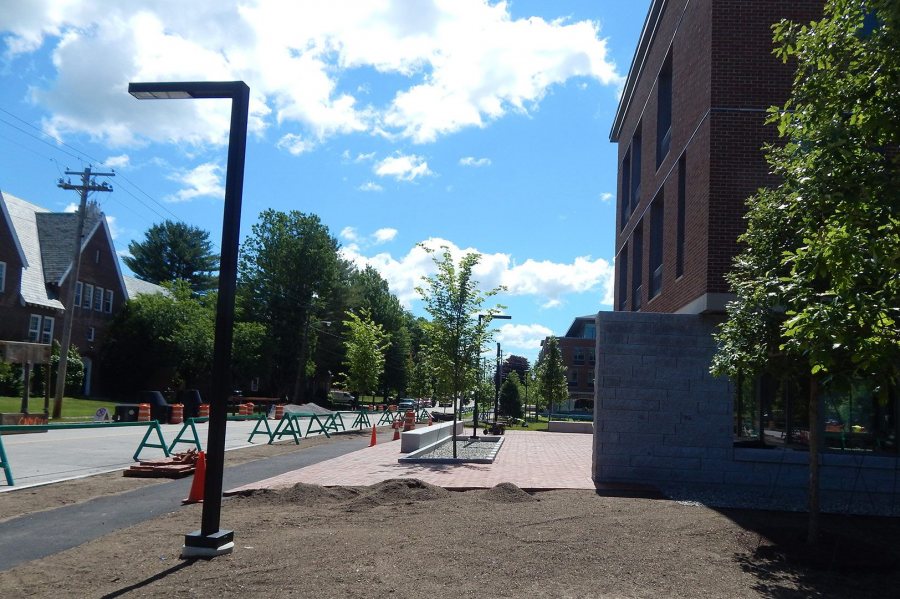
[38,535]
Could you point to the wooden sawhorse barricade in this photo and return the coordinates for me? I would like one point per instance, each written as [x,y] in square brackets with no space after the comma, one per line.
[152,427]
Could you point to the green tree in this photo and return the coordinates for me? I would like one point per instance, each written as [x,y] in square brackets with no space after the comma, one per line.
[510,396]
[455,333]
[817,286]
[289,268]
[551,382]
[366,345]
[174,251]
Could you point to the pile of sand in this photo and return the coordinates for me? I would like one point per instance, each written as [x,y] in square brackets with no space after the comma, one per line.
[308,408]
[508,493]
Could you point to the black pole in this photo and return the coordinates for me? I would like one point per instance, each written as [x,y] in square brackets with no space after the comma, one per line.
[497,386]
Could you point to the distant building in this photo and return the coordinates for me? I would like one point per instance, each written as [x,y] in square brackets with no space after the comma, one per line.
[35,265]
[578,348]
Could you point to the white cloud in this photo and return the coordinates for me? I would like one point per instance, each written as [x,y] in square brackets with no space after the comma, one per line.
[114,229]
[463,63]
[384,235]
[476,162]
[554,303]
[202,181]
[370,186]
[403,168]
[349,233]
[523,336]
[119,161]
[295,144]
[548,282]
[71,207]
[605,197]
[364,157]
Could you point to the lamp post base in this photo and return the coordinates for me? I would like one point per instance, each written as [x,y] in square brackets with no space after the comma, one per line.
[214,545]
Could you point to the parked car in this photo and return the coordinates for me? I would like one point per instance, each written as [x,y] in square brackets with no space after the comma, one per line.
[407,403]
[342,398]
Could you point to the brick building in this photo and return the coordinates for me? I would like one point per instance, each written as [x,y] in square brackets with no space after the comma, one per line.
[578,349]
[35,264]
[690,128]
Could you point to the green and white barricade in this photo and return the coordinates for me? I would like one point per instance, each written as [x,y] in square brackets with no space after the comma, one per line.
[388,417]
[190,426]
[362,420]
[290,425]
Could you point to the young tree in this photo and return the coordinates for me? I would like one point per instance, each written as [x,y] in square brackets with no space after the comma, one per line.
[289,268]
[817,286]
[551,383]
[174,251]
[453,300]
[510,397]
[366,345]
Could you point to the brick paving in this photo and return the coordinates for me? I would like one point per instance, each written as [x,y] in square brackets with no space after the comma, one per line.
[531,460]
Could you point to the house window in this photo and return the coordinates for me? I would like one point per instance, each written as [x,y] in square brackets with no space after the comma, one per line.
[622,261]
[590,332]
[47,330]
[592,357]
[108,301]
[664,111]
[97,257]
[2,277]
[626,190]
[679,233]
[90,334]
[78,289]
[637,255]
[98,299]
[34,328]
[573,377]
[657,211]
[88,296]
[578,356]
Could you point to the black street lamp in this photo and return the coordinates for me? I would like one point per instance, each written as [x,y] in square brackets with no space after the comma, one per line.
[210,541]
[489,318]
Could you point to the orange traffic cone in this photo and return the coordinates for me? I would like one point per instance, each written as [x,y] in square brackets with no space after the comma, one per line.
[374,439]
[196,494]
[430,419]
[396,434]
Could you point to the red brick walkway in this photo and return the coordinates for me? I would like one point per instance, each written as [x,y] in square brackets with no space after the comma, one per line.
[529,459]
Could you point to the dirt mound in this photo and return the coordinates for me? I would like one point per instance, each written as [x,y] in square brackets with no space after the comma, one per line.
[308,408]
[397,491]
[508,493]
[302,494]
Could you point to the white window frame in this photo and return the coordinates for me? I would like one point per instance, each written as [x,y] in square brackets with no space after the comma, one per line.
[2,277]
[91,333]
[108,301]
[79,286]
[98,299]
[34,328]
[88,296]
[47,331]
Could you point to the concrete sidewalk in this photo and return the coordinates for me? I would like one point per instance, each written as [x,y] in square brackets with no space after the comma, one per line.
[58,455]
[529,459]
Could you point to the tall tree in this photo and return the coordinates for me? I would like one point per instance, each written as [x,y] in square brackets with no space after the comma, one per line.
[366,345]
[289,267]
[174,251]
[551,383]
[817,285]
[511,397]
[517,364]
[453,300]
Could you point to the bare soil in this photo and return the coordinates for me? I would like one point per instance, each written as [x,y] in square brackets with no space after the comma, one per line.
[407,538]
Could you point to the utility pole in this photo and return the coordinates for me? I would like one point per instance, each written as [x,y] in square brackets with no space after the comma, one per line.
[497,384]
[87,185]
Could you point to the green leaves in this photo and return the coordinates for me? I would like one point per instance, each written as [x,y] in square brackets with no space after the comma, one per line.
[366,345]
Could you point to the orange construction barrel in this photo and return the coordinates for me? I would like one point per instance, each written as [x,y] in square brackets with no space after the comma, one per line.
[410,423]
[204,410]
[279,412]
[143,412]
[177,416]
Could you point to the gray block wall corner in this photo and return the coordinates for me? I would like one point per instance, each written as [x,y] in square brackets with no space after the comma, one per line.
[661,419]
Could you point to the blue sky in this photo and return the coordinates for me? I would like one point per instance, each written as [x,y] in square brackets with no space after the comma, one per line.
[473,124]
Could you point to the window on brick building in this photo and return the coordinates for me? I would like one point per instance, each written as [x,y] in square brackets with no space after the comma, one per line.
[34,328]
[98,299]
[47,329]
[108,301]
[2,277]
[88,296]
[573,377]
[78,288]
[591,357]
[578,356]
[635,196]
[622,261]
[90,334]
[679,231]
[664,111]
[625,204]
[590,332]
[657,214]
[637,254]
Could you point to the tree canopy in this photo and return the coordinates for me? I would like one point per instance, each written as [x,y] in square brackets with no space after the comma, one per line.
[366,345]
[552,385]
[174,251]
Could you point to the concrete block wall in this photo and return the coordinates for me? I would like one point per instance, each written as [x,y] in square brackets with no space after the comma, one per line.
[660,418]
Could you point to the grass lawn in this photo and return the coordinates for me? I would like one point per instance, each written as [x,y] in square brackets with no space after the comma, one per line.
[72,407]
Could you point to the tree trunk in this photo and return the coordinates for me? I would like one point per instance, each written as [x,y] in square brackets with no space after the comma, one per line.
[812,533]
